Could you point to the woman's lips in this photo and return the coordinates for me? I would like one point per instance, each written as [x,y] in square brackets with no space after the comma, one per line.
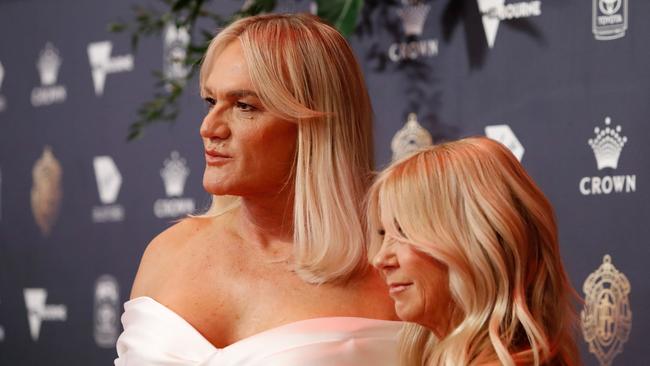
[396,288]
[215,158]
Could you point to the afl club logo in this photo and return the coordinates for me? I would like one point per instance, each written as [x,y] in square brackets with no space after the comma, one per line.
[107,310]
[607,318]
[46,190]
[409,138]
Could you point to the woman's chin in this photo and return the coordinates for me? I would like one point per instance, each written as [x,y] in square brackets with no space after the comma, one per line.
[215,188]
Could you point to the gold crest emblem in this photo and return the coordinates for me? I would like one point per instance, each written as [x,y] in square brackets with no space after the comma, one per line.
[409,138]
[606,318]
[46,190]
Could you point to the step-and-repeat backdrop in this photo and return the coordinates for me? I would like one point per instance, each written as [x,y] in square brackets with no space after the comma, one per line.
[564,84]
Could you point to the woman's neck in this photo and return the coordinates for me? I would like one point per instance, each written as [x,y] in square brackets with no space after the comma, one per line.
[267,219]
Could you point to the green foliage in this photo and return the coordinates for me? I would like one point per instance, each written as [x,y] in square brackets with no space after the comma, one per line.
[150,21]
[342,14]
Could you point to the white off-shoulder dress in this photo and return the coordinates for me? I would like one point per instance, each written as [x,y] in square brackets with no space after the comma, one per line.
[155,335]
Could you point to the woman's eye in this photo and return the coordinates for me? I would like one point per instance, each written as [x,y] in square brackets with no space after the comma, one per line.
[210,102]
[245,107]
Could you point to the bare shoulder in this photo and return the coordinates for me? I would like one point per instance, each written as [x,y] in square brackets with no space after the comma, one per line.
[161,252]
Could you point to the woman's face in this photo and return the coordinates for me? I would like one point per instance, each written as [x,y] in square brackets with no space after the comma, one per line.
[417,282]
[248,150]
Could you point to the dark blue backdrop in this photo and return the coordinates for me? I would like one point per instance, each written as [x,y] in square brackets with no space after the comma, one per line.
[564,84]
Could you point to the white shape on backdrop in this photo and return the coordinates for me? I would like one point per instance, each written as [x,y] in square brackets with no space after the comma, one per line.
[48,66]
[106,311]
[609,19]
[607,145]
[494,11]
[3,101]
[413,14]
[175,42]
[38,311]
[101,63]
[504,134]
[174,174]
[109,181]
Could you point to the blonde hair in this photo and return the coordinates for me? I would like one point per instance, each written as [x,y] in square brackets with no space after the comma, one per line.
[472,206]
[304,71]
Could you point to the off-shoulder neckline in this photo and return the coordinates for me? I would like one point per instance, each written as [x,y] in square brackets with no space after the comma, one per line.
[287,326]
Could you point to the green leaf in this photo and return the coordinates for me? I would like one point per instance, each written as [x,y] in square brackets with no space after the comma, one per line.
[342,14]
[180,4]
[259,6]
[116,27]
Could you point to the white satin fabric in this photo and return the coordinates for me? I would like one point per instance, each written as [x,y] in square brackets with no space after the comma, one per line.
[155,335]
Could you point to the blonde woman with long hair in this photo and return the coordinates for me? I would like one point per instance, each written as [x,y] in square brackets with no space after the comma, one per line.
[468,245]
[281,276]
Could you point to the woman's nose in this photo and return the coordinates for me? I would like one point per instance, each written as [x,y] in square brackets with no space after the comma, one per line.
[385,258]
[215,126]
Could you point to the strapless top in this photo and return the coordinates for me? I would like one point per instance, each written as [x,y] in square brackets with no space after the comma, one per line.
[156,335]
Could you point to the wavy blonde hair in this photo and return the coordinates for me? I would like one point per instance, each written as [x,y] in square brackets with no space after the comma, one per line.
[304,71]
[472,206]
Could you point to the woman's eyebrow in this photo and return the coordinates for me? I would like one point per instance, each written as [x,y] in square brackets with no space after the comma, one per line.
[240,93]
[237,93]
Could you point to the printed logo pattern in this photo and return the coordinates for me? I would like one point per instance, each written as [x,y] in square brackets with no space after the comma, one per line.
[494,11]
[606,318]
[3,101]
[609,19]
[47,192]
[101,63]
[38,311]
[174,174]
[409,138]
[607,145]
[109,181]
[175,45]
[504,134]
[48,68]
[107,310]
[413,14]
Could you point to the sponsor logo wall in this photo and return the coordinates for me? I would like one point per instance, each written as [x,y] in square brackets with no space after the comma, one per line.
[561,84]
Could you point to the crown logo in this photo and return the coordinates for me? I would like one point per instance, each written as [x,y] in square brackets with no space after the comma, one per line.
[413,14]
[410,138]
[46,190]
[606,318]
[48,64]
[174,174]
[607,145]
